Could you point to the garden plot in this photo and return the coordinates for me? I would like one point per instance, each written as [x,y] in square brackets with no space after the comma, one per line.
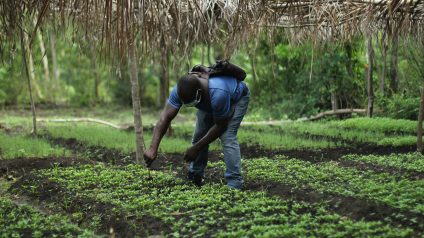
[297,185]
[184,210]
[351,191]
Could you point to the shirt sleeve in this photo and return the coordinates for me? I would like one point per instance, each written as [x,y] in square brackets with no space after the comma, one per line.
[221,104]
[174,100]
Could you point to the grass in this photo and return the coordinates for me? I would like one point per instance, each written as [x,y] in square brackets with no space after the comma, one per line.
[287,141]
[385,125]
[13,146]
[99,135]
[113,114]
[212,210]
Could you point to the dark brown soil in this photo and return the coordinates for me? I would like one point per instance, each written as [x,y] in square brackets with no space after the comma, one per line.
[21,166]
[322,155]
[112,221]
[95,153]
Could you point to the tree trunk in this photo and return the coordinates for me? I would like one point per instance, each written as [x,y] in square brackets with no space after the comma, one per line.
[135,93]
[370,69]
[55,83]
[254,74]
[96,73]
[394,65]
[334,104]
[164,78]
[349,61]
[47,90]
[30,65]
[420,122]
[25,51]
[383,73]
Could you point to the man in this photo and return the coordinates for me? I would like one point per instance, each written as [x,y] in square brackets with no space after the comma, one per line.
[222,102]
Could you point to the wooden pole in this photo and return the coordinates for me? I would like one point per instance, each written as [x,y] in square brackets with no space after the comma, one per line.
[24,37]
[420,121]
[135,93]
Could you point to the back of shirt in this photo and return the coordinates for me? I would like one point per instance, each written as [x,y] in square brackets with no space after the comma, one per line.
[224,91]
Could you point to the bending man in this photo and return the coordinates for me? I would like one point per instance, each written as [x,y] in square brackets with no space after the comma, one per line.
[222,102]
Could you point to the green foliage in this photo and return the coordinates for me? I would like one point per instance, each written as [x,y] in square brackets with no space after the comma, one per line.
[298,80]
[399,106]
[22,146]
[24,221]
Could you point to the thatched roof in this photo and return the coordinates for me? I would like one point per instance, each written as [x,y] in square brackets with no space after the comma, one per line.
[177,24]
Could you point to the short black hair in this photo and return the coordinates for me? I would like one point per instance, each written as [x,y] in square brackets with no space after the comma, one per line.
[187,86]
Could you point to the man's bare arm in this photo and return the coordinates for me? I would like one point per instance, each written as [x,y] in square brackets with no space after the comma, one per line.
[166,116]
[214,132]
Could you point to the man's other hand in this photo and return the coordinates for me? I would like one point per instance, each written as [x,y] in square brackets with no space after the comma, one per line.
[191,154]
[149,156]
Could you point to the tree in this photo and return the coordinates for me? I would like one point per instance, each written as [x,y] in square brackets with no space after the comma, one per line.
[416,57]
[25,48]
[394,78]
[369,69]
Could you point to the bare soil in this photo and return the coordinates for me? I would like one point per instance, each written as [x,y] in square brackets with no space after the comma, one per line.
[22,166]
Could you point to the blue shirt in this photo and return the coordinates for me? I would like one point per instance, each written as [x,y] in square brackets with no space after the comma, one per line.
[224,91]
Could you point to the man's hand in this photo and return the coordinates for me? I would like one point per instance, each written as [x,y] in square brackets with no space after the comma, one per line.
[149,156]
[191,154]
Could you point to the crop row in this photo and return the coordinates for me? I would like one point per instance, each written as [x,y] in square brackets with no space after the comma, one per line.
[213,210]
[410,161]
[329,177]
[380,131]
[24,221]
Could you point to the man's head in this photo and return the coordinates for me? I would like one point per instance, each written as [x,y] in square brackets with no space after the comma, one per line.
[189,89]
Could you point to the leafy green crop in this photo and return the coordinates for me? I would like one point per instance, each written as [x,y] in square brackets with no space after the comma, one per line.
[213,210]
[329,177]
[24,221]
[411,161]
